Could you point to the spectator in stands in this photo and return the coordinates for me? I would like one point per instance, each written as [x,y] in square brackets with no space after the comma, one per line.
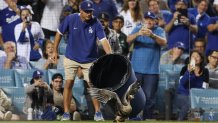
[213,68]
[12,60]
[148,40]
[153,6]
[119,4]
[111,35]
[51,16]
[46,62]
[28,35]
[200,45]
[212,32]
[202,18]
[9,19]
[5,108]
[70,8]
[194,75]
[213,8]
[213,61]
[57,89]
[83,29]
[107,6]
[173,56]
[181,22]
[132,14]
[162,4]
[36,93]
[117,24]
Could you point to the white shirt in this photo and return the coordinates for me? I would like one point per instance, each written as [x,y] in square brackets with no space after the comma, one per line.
[23,49]
[51,14]
[129,24]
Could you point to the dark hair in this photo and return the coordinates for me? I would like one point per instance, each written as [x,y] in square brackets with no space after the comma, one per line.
[202,59]
[211,52]
[154,1]
[57,75]
[200,40]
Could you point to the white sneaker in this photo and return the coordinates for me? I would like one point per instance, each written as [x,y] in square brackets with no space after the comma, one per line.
[8,115]
[76,116]
[98,116]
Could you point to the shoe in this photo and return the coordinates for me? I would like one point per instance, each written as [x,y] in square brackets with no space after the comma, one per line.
[65,116]
[98,116]
[8,115]
[76,116]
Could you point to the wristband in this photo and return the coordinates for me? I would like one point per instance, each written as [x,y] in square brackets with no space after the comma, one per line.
[153,36]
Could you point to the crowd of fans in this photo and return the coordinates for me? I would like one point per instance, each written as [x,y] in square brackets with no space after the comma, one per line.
[148,32]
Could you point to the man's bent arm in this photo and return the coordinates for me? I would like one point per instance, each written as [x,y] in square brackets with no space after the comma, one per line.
[106,46]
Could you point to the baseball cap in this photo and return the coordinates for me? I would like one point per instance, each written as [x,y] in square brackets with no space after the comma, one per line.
[119,17]
[179,45]
[37,73]
[149,14]
[86,5]
[184,1]
[103,15]
[215,2]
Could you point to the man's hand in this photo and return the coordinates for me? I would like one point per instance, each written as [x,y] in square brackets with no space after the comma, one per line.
[185,21]
[11,56]
[55,57]
[36,46]
[145,32]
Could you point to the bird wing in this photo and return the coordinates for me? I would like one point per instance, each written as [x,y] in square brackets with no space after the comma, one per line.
[102,95]
[131,91]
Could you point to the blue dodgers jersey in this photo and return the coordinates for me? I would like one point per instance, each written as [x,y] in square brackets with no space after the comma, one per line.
[82,37]
[8,20]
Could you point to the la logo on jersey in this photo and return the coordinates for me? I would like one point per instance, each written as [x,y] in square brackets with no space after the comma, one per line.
[90,30]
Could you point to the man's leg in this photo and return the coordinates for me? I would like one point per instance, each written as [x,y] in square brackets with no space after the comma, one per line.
[67,94]
[85,69]
[70,69]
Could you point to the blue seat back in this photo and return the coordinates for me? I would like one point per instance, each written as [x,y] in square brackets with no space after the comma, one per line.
[204,98]
[17,96]
[7,78]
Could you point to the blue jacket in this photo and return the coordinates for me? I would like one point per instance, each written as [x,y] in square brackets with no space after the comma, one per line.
[190,80]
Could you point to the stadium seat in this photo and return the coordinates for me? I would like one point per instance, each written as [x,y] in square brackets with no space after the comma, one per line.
[17,96]
[7,78]
[23,77]
[205,99]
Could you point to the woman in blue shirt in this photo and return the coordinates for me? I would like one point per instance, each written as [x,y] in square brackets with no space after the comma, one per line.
[193,75]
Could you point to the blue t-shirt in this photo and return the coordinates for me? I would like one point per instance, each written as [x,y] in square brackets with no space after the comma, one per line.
[212,36]
[180,32]
[202,23]
[82,37]
[146,52]
[8,20]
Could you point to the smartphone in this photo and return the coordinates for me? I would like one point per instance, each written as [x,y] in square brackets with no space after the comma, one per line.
[192,62]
